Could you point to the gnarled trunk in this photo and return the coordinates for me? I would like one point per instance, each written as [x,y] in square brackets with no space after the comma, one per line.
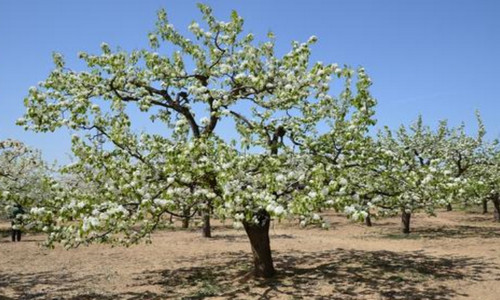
[485,206]
[258,234]
[405,221]
[449,207]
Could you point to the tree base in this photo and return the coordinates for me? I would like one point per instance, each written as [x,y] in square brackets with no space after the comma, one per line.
[405,222]
[206,230]
[368,221]
[485,206]
[258,234]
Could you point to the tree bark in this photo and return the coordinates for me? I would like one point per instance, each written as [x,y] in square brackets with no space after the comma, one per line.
[449,207]
[206,230]
[496,205]
[258,234]
[185,221]
[405,222]
[368,221]
[485,206]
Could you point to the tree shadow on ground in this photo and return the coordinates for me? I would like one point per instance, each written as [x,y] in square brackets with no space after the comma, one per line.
[41,284]
[460,232]
[5,232]
[23,240]
[480,218]
[456,232]
[60,285]
[336,274]
[243,237]
[486,219]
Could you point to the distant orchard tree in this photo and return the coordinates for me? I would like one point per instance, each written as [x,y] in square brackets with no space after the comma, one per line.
[24,176]
[462,154]
[485,177]
[404,172]
[244,134]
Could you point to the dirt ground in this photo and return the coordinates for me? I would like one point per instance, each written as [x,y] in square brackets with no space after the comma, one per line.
[453,256]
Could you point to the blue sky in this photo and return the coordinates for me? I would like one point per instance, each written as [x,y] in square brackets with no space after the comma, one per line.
[437,58]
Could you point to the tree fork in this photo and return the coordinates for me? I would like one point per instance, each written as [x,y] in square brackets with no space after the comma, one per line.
[258,234]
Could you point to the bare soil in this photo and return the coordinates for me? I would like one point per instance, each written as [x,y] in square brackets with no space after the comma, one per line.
[453,256]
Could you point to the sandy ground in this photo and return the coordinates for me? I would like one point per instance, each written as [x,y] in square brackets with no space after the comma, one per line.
[453,256]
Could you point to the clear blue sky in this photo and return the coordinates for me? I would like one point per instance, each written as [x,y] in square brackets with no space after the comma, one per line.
[438,58]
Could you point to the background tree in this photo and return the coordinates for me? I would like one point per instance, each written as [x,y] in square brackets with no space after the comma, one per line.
[485,178]
[405,174]
[460,151]
[24,176]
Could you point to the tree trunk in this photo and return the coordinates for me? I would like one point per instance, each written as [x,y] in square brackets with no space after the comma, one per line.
[405,222]
[449,207]
[368,221]
[185,221]
[485,206]
[206,230]
[258,234]
[496,205]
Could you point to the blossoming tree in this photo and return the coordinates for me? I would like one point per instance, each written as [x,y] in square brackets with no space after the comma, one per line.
[485,177]
[461,153]
[246,134]
[405,173]
[23,176]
